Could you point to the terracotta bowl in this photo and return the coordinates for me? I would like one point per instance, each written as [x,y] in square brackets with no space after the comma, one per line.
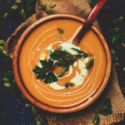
[29,96]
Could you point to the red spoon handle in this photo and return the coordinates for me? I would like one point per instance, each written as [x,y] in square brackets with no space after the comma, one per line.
[92,16]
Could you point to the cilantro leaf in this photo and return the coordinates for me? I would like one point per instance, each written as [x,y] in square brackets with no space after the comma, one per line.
[96,118]
[50,77]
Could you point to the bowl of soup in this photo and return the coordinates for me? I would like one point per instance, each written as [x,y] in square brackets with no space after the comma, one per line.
[56,75]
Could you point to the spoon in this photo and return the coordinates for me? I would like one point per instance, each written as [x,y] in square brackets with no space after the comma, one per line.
[92,16]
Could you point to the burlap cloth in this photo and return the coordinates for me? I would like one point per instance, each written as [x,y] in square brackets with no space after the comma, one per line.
[112,91]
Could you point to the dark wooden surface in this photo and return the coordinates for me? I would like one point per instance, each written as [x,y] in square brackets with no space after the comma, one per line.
[12,109]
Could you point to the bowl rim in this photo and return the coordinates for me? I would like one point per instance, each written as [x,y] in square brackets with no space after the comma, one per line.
[18,76]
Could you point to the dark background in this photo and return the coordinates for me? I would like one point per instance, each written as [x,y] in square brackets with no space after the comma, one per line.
[12,109]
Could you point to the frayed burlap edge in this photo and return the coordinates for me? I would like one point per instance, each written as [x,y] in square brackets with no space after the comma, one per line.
[110,120]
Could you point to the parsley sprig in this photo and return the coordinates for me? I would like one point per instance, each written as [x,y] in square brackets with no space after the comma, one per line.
[61,58]
[46,71]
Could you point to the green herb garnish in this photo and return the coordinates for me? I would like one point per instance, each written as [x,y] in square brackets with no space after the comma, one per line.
[90,64]
[95,120]
[105,110]
[118,37]
[46,71]
[83,54]
[50,78]
[61,58]
[64,58]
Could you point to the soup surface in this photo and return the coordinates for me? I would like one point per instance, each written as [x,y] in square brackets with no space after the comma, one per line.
[46,38]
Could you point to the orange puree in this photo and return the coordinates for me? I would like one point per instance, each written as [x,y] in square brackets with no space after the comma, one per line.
[34,49]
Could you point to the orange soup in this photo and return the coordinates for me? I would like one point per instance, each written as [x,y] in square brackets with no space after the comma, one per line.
[46,38]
